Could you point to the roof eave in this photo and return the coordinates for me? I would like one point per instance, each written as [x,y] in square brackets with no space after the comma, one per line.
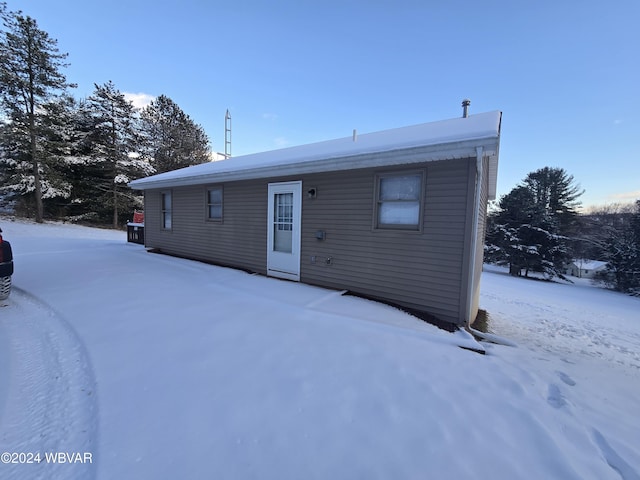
[378,159]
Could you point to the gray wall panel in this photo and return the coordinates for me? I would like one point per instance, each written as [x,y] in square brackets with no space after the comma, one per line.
[422,270]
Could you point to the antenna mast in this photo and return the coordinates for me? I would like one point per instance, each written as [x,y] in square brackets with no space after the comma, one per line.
[227,135]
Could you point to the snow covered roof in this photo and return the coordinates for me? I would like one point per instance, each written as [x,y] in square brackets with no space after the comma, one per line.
[442,140]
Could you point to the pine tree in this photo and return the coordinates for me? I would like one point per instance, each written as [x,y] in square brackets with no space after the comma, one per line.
[528,231]
[52,148]
[30,79]
[114,147]
[172,139]
[622,253]
[555,195]
[85,172]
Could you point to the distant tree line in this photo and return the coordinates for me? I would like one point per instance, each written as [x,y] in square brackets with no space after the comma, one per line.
[536,228]
[612,234]
[68,158]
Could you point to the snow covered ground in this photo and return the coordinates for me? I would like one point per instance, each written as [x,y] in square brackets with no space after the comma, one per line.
[159,367]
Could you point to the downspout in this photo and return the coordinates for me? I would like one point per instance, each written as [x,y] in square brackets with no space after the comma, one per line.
[474,234]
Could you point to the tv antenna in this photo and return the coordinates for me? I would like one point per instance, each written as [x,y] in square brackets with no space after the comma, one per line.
[227,135]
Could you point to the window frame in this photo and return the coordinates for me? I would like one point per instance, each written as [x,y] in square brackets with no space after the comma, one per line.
[208,204]
[164,211]
[408,228]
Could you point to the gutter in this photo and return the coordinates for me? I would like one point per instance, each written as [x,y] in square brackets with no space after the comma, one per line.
[474,234]
[301,166]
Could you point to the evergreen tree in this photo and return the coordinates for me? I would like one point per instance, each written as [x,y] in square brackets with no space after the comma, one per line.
[528,231]
[555,195]
[51,147]
[30,81]
[114,148]
[55,126]
[622,253]
[85,171]
[172,139]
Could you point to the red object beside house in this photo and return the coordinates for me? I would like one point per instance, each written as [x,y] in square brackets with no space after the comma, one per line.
[138,217]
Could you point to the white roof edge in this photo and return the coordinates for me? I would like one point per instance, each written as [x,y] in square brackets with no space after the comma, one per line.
[493,165]
[378,159]
[448,139]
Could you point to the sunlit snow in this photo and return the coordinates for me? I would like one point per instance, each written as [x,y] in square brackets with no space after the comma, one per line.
[162,367]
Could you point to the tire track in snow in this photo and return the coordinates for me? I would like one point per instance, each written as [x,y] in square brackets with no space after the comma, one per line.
[50,402]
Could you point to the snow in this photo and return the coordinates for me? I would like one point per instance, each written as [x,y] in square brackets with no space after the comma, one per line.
[590,264]
[480,129]
[162,367]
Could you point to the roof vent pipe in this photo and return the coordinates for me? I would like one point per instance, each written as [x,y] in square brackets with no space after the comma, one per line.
[465,107]
[355,135]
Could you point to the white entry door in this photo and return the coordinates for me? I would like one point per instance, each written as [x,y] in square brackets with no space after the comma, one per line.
[283,230]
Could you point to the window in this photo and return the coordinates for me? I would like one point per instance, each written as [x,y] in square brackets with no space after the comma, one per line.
[166,210]
[214,204]
[399,201]
[283,222]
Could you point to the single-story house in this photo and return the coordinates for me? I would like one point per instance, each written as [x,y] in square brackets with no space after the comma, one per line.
[585,268]
[397,215]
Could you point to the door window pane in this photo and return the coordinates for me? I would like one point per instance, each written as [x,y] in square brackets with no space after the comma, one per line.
[283,222]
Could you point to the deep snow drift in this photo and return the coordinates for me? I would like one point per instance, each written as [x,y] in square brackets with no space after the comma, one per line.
[165,368]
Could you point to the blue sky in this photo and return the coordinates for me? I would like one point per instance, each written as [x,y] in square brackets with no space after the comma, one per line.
[565,74]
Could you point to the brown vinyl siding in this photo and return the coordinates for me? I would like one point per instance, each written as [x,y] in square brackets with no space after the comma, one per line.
[421,270]
[239,240]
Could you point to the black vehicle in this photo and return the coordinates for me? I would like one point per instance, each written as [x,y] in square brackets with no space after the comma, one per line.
[6,267]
